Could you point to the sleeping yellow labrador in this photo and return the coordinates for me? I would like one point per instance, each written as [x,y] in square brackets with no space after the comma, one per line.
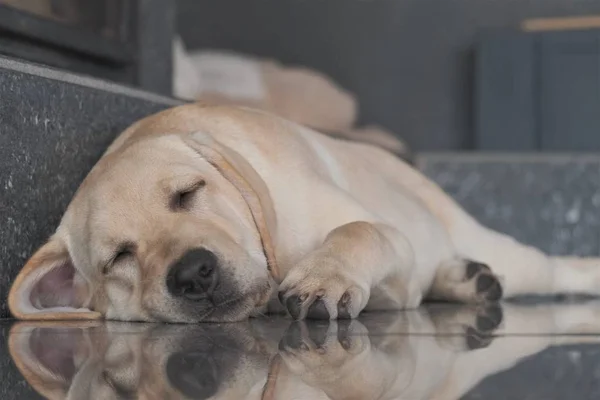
[216,213]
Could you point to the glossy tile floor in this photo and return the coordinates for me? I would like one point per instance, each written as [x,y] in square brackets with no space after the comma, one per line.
[437,352]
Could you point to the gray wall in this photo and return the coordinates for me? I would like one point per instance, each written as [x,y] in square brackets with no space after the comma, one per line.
[53,128]
[408,60]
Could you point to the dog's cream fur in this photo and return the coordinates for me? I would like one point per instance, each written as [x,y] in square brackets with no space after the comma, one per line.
[338,226]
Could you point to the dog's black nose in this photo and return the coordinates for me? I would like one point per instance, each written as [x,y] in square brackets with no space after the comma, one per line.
[194,276]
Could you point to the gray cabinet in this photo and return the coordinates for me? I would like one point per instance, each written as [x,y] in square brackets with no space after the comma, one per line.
[538,92]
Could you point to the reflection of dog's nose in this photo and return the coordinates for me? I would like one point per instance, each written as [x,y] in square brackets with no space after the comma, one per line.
[195,374]
[194,276]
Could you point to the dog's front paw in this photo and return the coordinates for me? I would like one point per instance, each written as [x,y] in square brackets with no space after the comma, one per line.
[321,288]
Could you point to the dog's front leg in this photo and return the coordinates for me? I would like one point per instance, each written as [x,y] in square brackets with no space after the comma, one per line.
[336,280]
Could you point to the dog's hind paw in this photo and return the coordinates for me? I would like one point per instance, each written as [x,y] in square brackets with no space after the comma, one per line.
[466,281]
[487,285]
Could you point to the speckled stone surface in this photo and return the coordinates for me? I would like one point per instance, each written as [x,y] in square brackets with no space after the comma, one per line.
[549,201]
[53,128]
[557,373]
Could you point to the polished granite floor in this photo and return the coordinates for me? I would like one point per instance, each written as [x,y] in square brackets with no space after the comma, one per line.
[548,351]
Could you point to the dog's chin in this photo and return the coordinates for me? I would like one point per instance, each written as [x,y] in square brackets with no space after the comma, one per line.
[235,309]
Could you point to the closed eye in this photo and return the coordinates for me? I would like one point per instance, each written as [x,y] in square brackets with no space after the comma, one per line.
[125,252]
[183,199]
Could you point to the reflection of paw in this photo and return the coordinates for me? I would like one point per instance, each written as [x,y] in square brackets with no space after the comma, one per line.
[466,328]
[480,335]
[321,289]
[485,284]
[320,351]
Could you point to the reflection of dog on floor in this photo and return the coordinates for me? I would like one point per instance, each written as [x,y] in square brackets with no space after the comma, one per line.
[204,213]
[440,353]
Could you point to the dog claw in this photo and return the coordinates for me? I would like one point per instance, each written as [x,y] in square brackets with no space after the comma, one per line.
[343,309]
[294,306]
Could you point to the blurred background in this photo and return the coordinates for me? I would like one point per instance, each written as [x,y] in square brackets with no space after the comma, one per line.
[443,75]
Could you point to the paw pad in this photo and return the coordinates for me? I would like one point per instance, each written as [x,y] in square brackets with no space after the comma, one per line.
[487,285]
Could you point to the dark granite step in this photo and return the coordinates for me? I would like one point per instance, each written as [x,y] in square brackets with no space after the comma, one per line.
[53,128]
[546,200]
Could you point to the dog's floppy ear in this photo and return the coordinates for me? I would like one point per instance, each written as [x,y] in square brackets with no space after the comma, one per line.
[248,182]
[49,287]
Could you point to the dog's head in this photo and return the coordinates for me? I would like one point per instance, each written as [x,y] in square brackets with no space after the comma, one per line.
[164,228]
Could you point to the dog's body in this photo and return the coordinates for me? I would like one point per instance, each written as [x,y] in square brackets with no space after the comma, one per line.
[232,194]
